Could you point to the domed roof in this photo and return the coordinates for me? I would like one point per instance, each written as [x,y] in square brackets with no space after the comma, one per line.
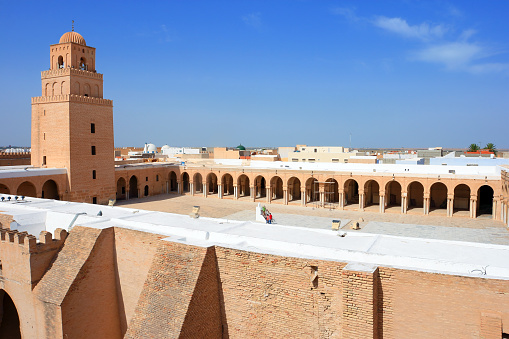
[165,147]
[241,148]
[151,148]
[72,37]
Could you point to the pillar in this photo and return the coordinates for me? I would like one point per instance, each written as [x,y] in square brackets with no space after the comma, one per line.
[341,200]
[361,200]
[252,193]
[450,205]
[495,208]
[205,190]
[404,203]
[303,197]
[285,196]
[220,191]
[235,192]
[382,203]
[473,206]
[268,194]
[179,188]
[191,188]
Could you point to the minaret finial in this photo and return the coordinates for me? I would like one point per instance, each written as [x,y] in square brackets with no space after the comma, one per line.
[73,25]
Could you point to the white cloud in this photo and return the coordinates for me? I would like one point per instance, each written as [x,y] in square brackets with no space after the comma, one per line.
[347,13]
[399,26]
[460,56]
[253,20]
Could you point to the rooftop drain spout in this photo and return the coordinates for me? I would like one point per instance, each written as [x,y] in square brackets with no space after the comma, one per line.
[71,224]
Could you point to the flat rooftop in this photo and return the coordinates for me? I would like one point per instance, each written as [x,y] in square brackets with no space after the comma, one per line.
[28,171]
[429,255]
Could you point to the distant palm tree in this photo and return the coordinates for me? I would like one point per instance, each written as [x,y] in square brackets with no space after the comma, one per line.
[473,148]
[491,147]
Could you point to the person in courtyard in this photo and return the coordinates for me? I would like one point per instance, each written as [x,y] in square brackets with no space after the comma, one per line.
[270,218]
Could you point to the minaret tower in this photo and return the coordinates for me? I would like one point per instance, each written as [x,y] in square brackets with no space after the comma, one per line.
[72,125]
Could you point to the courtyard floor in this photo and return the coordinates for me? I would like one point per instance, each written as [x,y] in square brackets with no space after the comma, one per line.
[434,226]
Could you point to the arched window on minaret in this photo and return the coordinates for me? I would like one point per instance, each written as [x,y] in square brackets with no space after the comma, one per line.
[61,62]
[62,88]
[53,88]
[83,64]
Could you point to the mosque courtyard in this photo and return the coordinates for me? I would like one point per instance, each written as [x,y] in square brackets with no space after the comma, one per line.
[414,224]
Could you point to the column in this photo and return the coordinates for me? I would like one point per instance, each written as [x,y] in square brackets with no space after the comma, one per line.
[235,192]
[341,200]
[450,205]
[473,206]
[382,203]
[426,204]
[191,188]
[268,194]
[495,209]
[404,203]
[167,190]
[205,190]
[303,197]
[361,200]
[179,187]
[220,191]
[252,193]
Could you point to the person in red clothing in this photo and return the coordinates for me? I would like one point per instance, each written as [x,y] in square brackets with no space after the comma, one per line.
[270,218]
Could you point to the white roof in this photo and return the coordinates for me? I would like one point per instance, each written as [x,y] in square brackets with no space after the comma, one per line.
[28,171]
[429,255]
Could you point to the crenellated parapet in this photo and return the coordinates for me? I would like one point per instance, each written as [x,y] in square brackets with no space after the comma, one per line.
[52,73]
[28,243]
[71,98]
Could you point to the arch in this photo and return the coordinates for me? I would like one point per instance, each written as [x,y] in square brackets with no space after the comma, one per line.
[276,185]
[260,187]
[393,193]
[133,187]
[145,191]
[27,189]
[9,318]
[351,188]
[185,182]
[243,189]
[121,185]
[95,92]
[62,90]
[415,193]
[312,190]
[77,89]
[83,64]
[53,88]
[50,190]
[462,197]
[60,62]
[86,90]
[197,183]
[293,187]
[212,183]
[371,193]
[438,196]
[4,189]
[227,184]
[46,90]
[485,195]
[172,179]
[331,191]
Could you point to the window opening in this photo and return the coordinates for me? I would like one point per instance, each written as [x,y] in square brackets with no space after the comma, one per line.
[43,160]
[94,200]
[92,128]
[94,174]
[93,150]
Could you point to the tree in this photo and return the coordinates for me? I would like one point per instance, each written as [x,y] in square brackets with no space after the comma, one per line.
[473,148]
[491,147]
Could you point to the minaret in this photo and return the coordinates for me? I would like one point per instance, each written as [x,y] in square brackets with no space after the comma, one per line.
[72,125]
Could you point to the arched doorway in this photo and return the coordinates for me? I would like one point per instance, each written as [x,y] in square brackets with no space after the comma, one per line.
[331,191]
[145,191]
[4,189]
[121,184]
[197,183]
[393,193]
[371,193]
[185,182]
[212,183]
[485,201]
[227,184]
[293,189]
[312,190]
[260,187]
[9,318]
[351,192]
[461,198]
[27,189]
[243,189]
[133,187]
[172,178]
[276,185]
[415,195]
[50,190]
[438,196]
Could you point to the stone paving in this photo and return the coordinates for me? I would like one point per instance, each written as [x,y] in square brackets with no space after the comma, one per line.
[482,229]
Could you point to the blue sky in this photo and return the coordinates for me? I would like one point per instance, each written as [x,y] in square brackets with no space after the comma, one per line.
[275,73]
